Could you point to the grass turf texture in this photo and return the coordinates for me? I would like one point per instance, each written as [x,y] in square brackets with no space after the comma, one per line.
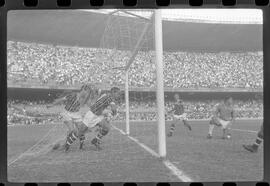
[123,160]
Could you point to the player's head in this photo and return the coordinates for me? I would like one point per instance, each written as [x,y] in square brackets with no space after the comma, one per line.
[228,100]
[115,92]
[177,97]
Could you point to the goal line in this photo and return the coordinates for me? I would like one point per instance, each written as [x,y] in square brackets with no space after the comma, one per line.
[168,164]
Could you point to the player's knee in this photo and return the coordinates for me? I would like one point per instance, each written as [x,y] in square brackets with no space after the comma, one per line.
[214,121]
[260,134]
[82,138]
[82,128]
[104,130]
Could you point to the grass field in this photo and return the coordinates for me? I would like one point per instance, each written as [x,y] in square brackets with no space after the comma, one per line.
[31,159]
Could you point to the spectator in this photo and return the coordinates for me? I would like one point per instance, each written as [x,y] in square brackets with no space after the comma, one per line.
[59,65]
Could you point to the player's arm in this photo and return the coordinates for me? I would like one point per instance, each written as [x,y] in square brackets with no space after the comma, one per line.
[173,110]
[217,111]
[57,101]
[113,108]
[233,114]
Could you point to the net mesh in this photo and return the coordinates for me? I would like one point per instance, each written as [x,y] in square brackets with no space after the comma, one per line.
[127,46]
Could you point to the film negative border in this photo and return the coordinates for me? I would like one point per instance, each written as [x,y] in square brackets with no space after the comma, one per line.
[6,5]
[85,4]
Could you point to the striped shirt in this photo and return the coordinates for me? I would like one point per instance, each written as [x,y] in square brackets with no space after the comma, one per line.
[178,108]
[101,104]
[72,104]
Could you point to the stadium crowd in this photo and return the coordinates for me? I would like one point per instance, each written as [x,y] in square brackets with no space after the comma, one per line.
[62,65]
[30,112]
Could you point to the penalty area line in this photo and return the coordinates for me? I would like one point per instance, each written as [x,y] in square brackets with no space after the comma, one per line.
[32,147]
[177,172]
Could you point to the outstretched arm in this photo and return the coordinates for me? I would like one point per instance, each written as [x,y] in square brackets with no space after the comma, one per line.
[216,114]
[114,108]
[57,101]
[233,115]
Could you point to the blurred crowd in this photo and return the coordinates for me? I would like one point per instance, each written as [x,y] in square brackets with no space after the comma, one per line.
[29,112]
[63,65]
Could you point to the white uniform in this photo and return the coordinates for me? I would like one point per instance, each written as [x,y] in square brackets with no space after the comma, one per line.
[91,120]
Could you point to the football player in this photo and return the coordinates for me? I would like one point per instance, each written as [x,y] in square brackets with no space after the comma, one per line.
[254,147]
[178,115]
[98,115]
[224,117]
[72,104]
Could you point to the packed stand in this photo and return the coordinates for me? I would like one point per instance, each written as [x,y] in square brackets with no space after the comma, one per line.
[62,65]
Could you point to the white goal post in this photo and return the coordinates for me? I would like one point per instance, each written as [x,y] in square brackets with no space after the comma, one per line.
[159,82]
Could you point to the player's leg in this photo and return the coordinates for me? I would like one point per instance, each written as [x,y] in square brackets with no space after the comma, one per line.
[211,128]
[185,121]
[71,138]
[224,132]
[254,147]
[67,120]
[226,129]
[214,121]
[104,128]
[73,135]
[172,126]
[82,129]
[89,122]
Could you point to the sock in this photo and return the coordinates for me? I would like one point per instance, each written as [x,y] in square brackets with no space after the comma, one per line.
[172,128]
[186,123]
[96,140]
[72,136]
[224,132]
[257,143]
[211,128]
[82,139]
[102,132]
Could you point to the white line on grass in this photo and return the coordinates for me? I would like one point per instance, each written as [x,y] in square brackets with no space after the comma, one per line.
[32,147]
[251,131]
[178,173]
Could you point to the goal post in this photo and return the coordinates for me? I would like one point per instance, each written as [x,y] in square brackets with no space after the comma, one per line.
[160,84]
[127,102]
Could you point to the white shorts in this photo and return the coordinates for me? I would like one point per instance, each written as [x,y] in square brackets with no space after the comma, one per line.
[181,117]
[91,120]
[71,116]
[224,124]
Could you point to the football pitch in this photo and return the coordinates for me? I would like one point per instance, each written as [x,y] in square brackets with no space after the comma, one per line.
[190,156]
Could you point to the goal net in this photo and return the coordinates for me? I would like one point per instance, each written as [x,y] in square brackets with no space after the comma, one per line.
[128,50]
